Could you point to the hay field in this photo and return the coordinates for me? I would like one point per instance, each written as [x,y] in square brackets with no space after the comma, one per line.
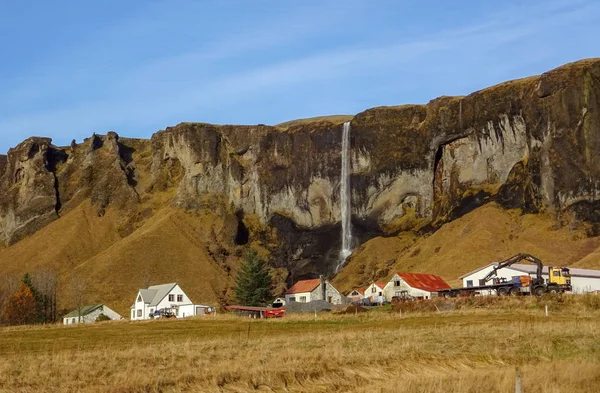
[469,350]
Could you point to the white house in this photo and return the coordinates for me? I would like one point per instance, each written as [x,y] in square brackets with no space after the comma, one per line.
[89,314]
[582,280]
[356,295]
[166,297]
[305,291]
[374,292]
[414,286]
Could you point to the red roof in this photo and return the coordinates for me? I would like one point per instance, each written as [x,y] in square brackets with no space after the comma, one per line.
[359,290]
[303,286]
[381,284]
[426,282]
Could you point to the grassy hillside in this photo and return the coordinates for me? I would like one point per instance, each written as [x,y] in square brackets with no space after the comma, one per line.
[454,351]
[170,246]
[196,249]
[487,234]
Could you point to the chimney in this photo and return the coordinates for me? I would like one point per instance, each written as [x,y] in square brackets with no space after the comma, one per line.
[323,288]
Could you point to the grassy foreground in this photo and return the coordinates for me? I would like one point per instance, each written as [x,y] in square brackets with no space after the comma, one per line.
[473,350]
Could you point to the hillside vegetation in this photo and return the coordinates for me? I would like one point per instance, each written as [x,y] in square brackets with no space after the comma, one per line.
[482,236]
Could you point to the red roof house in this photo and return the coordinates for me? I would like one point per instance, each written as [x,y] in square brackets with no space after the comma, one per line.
[415,285]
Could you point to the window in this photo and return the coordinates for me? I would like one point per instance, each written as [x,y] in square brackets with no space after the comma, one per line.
[171,298]
[481,282]
[469,283]
[180,298]
[292,299]
[151,310]
[556,273]
[397,283]
[373,289]
[73,321]
[139,298]
[303,299]
[379,293]
[139,313]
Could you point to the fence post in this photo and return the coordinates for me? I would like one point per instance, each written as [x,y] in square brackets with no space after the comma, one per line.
[518,387]
[546,310]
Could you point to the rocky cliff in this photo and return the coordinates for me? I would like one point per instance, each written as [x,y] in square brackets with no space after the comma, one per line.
[532,144]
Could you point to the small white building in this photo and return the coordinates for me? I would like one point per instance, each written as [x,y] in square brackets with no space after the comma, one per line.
[89,314]
[356,295]
[374,293]
[414,286]
[305,291]
[582,280]
[166,297]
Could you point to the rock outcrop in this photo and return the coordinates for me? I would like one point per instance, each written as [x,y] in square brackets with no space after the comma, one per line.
[532,144]
[40,180]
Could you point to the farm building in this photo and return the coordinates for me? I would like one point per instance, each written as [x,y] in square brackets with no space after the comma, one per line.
[374,293]
[165,299]
[582,280]
[356,295]
[414,286]
[89,314]
[305,291]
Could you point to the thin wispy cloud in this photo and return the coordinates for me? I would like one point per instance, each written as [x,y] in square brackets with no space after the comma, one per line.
[292,64]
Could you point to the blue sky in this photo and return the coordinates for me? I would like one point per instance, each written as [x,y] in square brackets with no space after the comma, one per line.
[68,69]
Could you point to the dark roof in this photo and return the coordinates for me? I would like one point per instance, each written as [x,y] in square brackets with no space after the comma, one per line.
[303,286]
[426,282]
[85,310]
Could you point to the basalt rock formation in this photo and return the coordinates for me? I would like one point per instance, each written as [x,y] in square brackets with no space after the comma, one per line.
[532,144]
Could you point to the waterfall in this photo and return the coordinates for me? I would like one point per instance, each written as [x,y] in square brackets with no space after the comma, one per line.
[345,194]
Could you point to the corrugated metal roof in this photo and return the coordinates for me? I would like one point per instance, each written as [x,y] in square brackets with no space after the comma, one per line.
[161,291]
[576,272]
[85,310]
[148,295]
[303,286]
[426,282]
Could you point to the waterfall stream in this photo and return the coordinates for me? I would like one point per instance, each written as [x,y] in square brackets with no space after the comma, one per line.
[345,196]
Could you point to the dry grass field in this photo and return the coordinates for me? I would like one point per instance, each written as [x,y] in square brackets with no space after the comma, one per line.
[466,350]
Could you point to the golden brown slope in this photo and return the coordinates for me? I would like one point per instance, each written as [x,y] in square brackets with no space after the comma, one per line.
[193,249]
[487,234]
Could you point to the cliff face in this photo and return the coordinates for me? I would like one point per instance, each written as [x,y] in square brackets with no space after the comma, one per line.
[40,181]
[532,144]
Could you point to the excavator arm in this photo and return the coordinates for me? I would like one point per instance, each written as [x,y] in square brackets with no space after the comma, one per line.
[512,260]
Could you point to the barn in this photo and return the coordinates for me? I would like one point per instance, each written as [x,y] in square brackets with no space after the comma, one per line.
[582,280]
[414,286]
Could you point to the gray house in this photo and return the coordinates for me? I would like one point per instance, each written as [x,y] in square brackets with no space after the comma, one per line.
[89,314]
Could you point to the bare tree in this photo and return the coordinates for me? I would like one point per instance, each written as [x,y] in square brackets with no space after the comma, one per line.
[78,294]
[46,282]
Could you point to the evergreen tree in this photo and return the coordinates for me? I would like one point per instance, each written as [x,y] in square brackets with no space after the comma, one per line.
[40,316]
[253,282]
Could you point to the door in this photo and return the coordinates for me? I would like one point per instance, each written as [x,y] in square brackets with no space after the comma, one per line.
[330,299]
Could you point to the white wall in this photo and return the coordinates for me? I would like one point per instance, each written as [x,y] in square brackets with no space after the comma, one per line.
[585,284]
[297,296]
